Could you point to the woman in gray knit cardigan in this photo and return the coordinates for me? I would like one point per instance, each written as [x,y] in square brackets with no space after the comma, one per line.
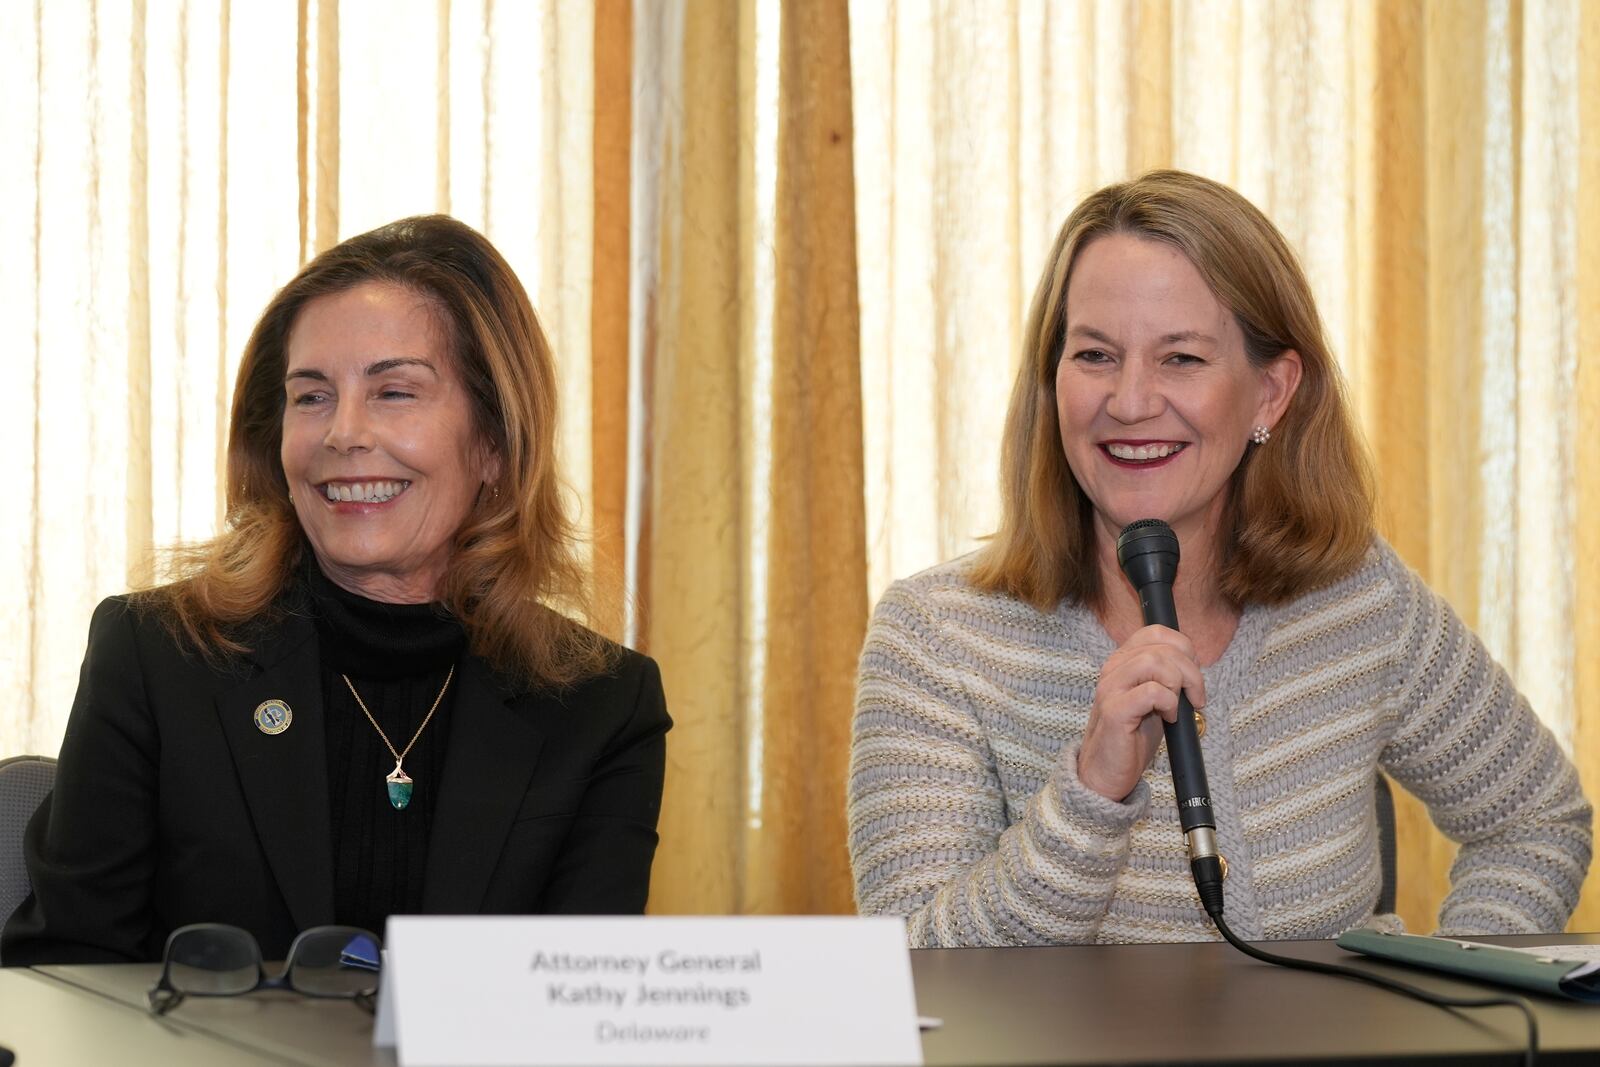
[1008,783]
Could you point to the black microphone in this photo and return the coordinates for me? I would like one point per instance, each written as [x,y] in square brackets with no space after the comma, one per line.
[1148,553]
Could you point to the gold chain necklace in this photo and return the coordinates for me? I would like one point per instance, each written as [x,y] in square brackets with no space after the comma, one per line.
[398,783]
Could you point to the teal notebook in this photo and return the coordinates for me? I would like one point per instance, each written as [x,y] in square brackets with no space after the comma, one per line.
[1573,978]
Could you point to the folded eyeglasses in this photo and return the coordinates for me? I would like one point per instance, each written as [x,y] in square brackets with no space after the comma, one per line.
[217,960]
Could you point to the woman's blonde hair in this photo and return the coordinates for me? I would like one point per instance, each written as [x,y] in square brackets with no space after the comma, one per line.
[515,558]
[1299,509]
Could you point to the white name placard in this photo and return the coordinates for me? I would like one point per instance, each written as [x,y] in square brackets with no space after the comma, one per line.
[500,991]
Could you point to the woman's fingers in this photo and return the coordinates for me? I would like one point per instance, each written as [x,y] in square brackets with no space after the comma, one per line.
[1160,635]
[1137,692]
[1156,653]
[1163,700]
[1123,735]
[1131,706]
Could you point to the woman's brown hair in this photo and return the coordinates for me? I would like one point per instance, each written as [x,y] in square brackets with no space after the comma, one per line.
[1299,509]
[515,559]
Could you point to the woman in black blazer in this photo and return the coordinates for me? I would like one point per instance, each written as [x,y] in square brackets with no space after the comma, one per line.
[361,699]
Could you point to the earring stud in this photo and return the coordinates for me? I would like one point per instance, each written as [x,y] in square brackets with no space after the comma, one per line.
[1260,435]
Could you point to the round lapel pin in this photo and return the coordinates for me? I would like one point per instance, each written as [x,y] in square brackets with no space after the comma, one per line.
[273,716]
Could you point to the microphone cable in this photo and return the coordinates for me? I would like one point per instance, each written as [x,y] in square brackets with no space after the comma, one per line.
[1148,551]
[1441,1000]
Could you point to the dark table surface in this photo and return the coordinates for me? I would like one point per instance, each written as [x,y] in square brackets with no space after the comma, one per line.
[1211,1004]
[1072,1006]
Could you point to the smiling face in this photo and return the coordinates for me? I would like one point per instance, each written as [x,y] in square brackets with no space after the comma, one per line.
[1155,395]
[379,449]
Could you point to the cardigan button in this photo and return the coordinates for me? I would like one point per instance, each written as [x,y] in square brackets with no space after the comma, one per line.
[1199,724]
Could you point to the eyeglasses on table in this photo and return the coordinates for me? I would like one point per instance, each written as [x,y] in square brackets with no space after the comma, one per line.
[217,960]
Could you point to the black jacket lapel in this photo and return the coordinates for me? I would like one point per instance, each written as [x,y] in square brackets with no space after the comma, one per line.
[494,744]
[284,775]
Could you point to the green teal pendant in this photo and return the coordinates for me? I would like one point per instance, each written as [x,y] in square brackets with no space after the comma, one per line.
[399,784]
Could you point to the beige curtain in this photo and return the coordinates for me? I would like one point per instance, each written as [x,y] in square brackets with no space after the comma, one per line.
[783,250]
[747,546]
[1437,165]
[165,167]
[672,181]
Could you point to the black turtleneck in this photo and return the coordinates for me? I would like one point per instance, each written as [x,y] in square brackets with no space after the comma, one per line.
[397,656]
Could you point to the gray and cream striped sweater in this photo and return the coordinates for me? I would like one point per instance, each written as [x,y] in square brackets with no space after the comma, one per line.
[967,817]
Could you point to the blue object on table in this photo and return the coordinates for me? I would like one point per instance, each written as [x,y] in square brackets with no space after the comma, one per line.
[361,952]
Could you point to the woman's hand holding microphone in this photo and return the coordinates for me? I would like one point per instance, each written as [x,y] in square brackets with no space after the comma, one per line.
[1137,692]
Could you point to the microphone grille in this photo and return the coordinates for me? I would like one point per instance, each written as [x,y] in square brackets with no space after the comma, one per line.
[1147,539]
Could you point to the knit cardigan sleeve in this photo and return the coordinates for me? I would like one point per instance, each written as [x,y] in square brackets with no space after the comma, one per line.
[1493,778]
[929,833]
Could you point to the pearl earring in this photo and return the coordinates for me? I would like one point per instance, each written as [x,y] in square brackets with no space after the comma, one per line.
[1260,435]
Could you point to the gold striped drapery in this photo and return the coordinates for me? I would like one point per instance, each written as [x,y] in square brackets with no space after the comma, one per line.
[174,163]
[1434,163]
[783,251]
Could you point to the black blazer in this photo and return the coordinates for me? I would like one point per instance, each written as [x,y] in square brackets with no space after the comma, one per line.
[171,807]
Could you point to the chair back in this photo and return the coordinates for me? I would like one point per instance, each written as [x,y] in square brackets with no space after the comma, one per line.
[24,782]
[1386,852]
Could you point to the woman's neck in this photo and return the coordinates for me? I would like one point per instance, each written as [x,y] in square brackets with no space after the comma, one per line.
[375,639]
[1204,613]
[385,587]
